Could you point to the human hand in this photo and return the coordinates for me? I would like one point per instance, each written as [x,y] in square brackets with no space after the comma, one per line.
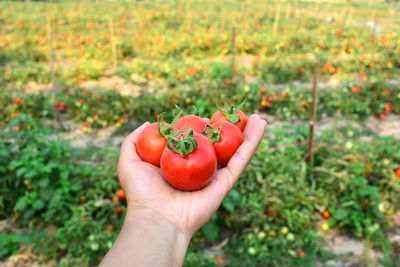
[145,188]
[160,219]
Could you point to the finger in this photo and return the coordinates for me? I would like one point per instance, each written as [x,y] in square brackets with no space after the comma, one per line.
[128,146]
[226,178]
[252,134]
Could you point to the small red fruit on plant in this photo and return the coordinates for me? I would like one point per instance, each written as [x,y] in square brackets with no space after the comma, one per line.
[226,139]
[121,194]
[118,210]
[326,214]
[263,90]
[219,260]
[271,213]
[230,114]
[301,254]
[189,163]
[17,100]
[397,172]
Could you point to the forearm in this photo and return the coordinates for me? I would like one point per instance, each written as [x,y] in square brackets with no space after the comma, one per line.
[147,239]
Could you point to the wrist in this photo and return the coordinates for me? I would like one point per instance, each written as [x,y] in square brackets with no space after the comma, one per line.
[154,228]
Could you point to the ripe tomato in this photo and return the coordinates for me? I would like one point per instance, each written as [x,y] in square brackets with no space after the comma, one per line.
[326,214]
[191,121]
[118,210]
[397,172]
[121,194]
[226,139]
[151,144]
[219,260]
[220,116]
[301,254]
[17,100]
[193,169]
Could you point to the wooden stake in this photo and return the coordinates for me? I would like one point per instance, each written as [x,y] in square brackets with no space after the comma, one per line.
[288,10]
[313,111]
[51,55]
[276,21]
[233,46]
[113,48]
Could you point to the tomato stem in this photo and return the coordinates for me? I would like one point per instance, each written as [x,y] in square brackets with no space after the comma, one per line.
[183,146]
[212,134]
[163,130]
[231,111]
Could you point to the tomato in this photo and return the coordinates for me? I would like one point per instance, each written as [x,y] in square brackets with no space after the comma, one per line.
[121,194]
[220,116]
[189,169]
[17,100]
[326,214]
[118,210]
[226,139]
[110,228]
[397,172]
[151,144]
[219,260]
[301,254]
[191,121]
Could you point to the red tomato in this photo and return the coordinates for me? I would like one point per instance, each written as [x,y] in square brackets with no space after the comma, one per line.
[195,170]
[226,142]
[301,254]
[118,210]
[397,172]
[219,116]
[220,260]
[191,121]
[150,144]
[121,194]
[326,214]
[17,100]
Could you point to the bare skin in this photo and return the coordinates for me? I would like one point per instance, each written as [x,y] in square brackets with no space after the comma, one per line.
[161,220]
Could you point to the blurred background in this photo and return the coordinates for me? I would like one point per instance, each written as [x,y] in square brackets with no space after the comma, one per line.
[76,77]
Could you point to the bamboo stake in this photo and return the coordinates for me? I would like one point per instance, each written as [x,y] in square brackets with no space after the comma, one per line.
[313,111]
[288,10]
[276,21]
[51,55]
[233,46]
[113,48]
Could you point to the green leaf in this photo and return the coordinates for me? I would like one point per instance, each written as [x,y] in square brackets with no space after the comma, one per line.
[44,182]
[341,213]
[38,204]
[21,204]
[210,231]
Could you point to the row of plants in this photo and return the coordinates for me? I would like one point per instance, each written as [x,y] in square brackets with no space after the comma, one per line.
[175,30]
[101,108]
[64,204]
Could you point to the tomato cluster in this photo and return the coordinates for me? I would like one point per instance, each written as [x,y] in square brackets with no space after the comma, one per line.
[189,150]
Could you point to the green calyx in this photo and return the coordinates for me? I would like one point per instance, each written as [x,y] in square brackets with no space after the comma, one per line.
[231,111]
[163,130]
[212,134]
[183,146]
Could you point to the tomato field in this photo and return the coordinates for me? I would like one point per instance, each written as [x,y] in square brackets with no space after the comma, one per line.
[76,77]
